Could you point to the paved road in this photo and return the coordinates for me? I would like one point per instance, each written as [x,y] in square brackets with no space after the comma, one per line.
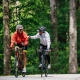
[38,77]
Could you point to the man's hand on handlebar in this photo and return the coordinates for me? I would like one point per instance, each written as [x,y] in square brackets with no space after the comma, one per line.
[48,50]
[10,48]
[16,48]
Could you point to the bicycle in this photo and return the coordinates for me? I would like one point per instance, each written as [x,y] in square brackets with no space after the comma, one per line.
[43,68]
[18,63]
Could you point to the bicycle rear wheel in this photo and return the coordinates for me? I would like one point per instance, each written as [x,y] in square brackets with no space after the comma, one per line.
[46,68]
[41,72]
[46,72]
[16,69]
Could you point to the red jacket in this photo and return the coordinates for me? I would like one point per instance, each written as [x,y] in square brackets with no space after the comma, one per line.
[19,38]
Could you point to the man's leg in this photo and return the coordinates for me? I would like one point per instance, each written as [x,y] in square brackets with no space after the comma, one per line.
[40,53]
[25,61]
[40,59]
[48,58]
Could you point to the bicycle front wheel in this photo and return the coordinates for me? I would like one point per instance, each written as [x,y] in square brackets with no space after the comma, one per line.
[43,64]
[16,67]
[44,68]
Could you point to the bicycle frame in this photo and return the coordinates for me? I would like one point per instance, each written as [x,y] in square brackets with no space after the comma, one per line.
[43,68]
[18,65]
[19,56]
[44,64]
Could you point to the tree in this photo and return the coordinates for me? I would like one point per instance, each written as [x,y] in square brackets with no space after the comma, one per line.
[73,38]
[53,6]
[6,38]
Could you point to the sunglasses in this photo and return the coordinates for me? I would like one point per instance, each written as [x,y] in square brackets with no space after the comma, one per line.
[20,29]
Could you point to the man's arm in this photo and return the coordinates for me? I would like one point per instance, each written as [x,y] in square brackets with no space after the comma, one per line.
[48,41]
[12,40]
[26,39]
[35,36]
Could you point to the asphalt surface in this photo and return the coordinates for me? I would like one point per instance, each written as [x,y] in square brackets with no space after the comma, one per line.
[38,77]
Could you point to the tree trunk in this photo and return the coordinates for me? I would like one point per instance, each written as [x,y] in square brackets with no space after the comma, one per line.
[6,38]
[73,38]
[54,31]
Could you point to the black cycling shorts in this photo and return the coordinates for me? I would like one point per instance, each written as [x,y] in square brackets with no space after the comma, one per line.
[43,47]
[21,46]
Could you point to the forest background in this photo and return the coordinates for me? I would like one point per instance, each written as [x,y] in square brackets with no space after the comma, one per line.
[35,13]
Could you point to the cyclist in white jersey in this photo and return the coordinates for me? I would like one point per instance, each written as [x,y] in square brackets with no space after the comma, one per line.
[45,42]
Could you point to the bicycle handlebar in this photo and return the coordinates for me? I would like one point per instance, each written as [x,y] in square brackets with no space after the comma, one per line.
[16,48]
[38,50]
[47,50]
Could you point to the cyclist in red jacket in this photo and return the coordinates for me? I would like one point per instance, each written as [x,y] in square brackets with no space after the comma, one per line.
[20,38]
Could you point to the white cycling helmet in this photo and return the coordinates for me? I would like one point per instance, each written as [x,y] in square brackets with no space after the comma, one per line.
[19,27]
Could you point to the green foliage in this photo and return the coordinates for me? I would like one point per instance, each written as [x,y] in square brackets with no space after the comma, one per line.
[32,14]
[61,60]
[63,22]
[1,63]
[33,61]
[1,41]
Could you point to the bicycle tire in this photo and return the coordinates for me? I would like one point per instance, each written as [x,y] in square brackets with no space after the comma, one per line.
[43,63]
[21,64]
[23,74]
[16,67]
[46,72]
[44,69]
[41,70]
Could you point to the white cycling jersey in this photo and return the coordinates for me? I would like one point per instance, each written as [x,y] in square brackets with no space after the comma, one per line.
[44,39]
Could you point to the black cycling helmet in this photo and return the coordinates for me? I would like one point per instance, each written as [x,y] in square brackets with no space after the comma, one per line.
[42,29]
